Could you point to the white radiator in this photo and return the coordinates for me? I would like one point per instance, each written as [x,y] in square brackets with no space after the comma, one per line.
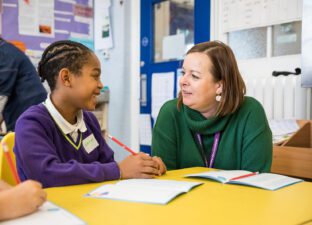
[282,97]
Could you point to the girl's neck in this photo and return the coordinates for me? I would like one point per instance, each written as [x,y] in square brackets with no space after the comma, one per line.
[65,109]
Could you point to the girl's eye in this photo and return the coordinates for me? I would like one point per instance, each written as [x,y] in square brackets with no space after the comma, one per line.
[182,73]
[96,77]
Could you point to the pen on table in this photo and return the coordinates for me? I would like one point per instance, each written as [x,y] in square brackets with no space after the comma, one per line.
[244,176]
[121,144]
[10,162]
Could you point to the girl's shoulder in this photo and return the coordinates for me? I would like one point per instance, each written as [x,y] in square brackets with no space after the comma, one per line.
[35,116]
[89,116]
[36,112]
[90,120]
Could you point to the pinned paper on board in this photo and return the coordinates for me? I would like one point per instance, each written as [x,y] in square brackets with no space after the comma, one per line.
[162,90]
[36,18]
[179,75]
[240,15]
[173,47]
[103,35]
[145,129]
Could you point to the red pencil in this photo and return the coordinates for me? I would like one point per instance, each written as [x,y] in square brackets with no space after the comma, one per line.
[121,144]
[10,162]
[243,176]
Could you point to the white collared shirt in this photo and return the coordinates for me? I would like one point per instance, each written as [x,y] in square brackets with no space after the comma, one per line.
[63,124]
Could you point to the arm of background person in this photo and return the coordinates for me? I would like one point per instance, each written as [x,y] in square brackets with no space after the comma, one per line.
[3,101]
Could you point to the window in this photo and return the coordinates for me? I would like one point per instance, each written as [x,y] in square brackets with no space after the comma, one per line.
[249,43]
[173,29]
[287,39]
[284,39]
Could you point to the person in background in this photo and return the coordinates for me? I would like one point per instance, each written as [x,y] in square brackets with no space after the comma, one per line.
[20,200]
[59,142]
[20,86]
[211,123]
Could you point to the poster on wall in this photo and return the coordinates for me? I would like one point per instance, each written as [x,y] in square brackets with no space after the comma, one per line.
[162,90]
[83,14]
[145,129]
[179,75]
[34,24]
[240,15]
[103,35]
[36,18]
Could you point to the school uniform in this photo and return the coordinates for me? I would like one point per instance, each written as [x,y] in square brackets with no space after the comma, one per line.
[56,153]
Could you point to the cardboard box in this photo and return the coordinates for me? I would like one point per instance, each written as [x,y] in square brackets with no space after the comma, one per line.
[294,156]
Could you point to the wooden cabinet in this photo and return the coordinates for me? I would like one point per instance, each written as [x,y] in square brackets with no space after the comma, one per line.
[294,156]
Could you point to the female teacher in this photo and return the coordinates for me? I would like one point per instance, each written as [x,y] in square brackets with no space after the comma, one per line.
[212,123]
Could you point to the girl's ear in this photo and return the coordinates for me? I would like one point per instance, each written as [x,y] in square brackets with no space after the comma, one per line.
[64,76]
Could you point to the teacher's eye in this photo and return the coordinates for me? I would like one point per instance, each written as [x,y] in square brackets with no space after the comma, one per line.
[195,77]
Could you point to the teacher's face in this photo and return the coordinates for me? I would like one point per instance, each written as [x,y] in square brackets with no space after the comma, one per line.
[197,84]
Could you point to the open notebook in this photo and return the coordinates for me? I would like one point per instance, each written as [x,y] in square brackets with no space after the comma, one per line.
[267,181]
[143,190]
[48,214]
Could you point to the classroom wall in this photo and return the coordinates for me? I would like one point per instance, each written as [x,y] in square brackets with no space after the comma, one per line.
[120,72]
[282,97]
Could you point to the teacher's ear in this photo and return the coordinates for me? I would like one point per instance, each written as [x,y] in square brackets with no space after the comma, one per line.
[219,88]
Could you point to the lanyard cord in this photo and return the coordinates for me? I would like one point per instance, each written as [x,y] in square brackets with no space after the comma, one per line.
[68,139]
[213,150]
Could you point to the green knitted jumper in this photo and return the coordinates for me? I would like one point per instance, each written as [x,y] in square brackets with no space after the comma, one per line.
[245,143]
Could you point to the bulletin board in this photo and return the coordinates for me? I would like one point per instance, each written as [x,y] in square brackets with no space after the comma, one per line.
[159,80]
[33,24]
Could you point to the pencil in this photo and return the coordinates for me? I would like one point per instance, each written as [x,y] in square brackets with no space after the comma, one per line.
[121,144]
[10,162]
[246,175]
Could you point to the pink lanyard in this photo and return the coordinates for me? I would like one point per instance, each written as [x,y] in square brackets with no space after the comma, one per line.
[213,151]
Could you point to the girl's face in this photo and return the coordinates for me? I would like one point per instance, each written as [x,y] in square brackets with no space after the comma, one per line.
[197,84]
[86,86]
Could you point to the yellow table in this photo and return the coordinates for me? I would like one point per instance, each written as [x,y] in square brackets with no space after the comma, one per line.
[211,203]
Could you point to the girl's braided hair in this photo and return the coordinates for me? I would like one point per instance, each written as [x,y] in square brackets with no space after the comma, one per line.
[62,54]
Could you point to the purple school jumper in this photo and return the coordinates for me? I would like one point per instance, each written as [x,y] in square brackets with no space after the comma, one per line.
[44,154]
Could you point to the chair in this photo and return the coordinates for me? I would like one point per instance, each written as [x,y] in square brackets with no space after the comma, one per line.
[5,171]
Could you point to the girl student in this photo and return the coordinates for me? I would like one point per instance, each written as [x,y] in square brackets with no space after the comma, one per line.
[59,142]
